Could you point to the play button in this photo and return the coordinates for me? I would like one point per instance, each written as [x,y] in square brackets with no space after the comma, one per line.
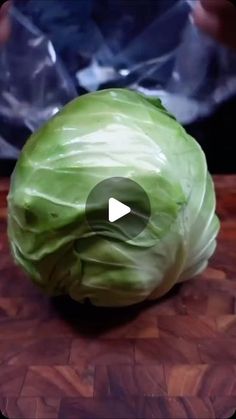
[117,209]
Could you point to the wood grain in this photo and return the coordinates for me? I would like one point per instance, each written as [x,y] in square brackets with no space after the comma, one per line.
[31,407]
[171,359]
[126,380]
[58,381]
[201,380]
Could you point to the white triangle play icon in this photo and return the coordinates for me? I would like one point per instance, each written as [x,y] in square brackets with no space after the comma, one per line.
[117,210]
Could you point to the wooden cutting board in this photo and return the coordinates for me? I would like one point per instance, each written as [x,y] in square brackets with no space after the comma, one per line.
[175,358]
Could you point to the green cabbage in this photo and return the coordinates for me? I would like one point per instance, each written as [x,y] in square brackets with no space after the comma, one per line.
[114,132]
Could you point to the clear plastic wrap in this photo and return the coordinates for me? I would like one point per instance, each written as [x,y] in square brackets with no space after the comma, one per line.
[34,84]
[153,47]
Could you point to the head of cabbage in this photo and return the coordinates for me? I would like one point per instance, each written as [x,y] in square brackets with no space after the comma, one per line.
[114,132]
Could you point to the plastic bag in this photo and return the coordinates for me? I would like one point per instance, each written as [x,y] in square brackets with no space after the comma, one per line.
[34,84]
[150,46]
[170,58]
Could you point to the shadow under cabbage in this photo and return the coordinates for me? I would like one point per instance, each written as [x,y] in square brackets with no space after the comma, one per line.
[93,321]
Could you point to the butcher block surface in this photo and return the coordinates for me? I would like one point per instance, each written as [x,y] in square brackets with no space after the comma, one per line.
[175,358]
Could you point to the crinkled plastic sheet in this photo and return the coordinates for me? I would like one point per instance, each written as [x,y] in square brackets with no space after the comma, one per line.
[33,82]
[150,46]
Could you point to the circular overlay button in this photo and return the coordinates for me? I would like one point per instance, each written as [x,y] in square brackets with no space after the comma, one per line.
[118,209]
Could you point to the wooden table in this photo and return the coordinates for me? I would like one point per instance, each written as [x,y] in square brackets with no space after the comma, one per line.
[172,359]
